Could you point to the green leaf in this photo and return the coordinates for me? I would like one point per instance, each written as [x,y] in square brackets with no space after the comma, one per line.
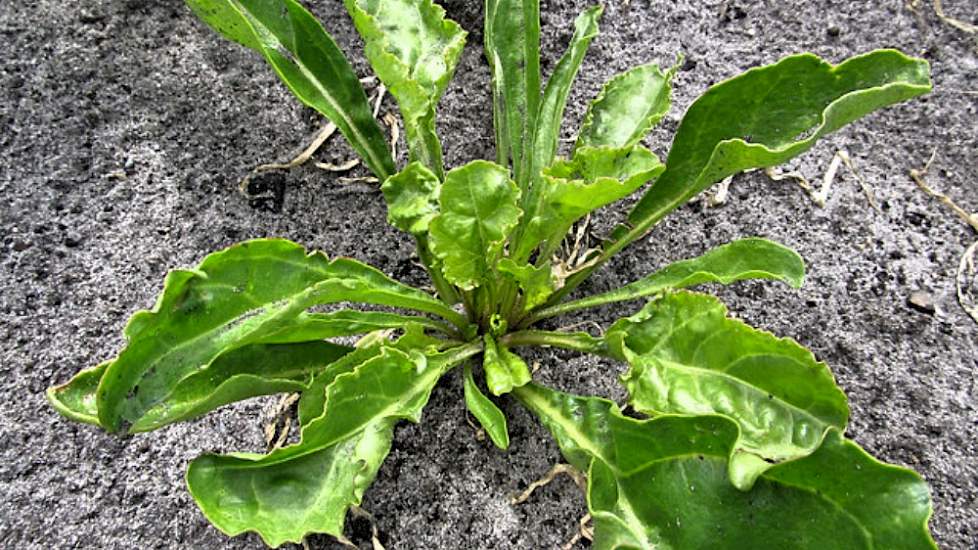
[240,374]
[770,114]
[555,100]
[504,369]
[492,420]
[309,62]
[662,483]
[75,399]
[512,44]
[627,108]
[412,198]
[688,357]
[307,487]
[750,258]
[414,49]
[477,212]
[536,283]
[312,402]
[559,86]
[254,292]
[569,190]
[346,322]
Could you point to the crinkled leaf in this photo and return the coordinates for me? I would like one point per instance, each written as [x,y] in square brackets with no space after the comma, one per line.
[312,403]
[254,292]
[593,178]
[751,258]
[477,212]
[414,49]
[307,487]
[412,198]
[492,420]
[627,108]
[536,283]
[688,357]
[555,100]
[504,369]
[662,483]
[309,62]
[770,114]
[512,44]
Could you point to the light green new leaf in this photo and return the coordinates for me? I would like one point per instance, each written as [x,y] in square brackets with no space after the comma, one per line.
[662,483]
[254,292]
[770,114]
[492,420]
[555,100]
[75,399]
[477,212]
[536,283]
[412,198]
[688,357]
[627,108]
[512,44]
[309,62]
[307,487]
[569,190]
[504,369]
[414,49]
[751,258]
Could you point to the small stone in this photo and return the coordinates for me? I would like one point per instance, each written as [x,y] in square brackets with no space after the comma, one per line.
[922,302]
[73,240]
[21,246]
[833,31]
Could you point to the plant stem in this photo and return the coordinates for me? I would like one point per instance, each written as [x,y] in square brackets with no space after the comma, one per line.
[577,341]
[445,290]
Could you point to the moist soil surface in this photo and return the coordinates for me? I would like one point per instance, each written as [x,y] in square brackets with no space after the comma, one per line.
[126,125]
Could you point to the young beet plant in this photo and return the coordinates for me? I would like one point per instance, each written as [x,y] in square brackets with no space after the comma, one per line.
[740,444]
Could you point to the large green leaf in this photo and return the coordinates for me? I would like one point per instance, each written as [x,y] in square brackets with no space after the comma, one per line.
[570,189]
[412,198]
[512,44]
[309,62]
[627,108]
[662,483]
[750,258]
[554,101]
[307,487]
[254,292]
[688,357]
[414,50]
[477,212]
[492,420]
[770,114]
[763,118]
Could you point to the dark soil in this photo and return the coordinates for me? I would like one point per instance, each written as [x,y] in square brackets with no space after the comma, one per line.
[125,126]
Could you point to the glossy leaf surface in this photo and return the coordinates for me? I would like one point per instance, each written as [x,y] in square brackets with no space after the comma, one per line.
[536,283]
[512,44]
[412,198]
[662,483]
[688,357]
[477,212]
[309,62]
[307,487]
[554,101]
[627,108]
[504,369]
[751,258]
[770,114]
[414,49]
[570,189]
[492,420]
[254,292]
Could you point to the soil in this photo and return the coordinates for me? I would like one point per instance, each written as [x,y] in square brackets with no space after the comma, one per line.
[125,126]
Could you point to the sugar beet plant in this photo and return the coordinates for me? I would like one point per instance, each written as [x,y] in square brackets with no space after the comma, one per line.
[736,440]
